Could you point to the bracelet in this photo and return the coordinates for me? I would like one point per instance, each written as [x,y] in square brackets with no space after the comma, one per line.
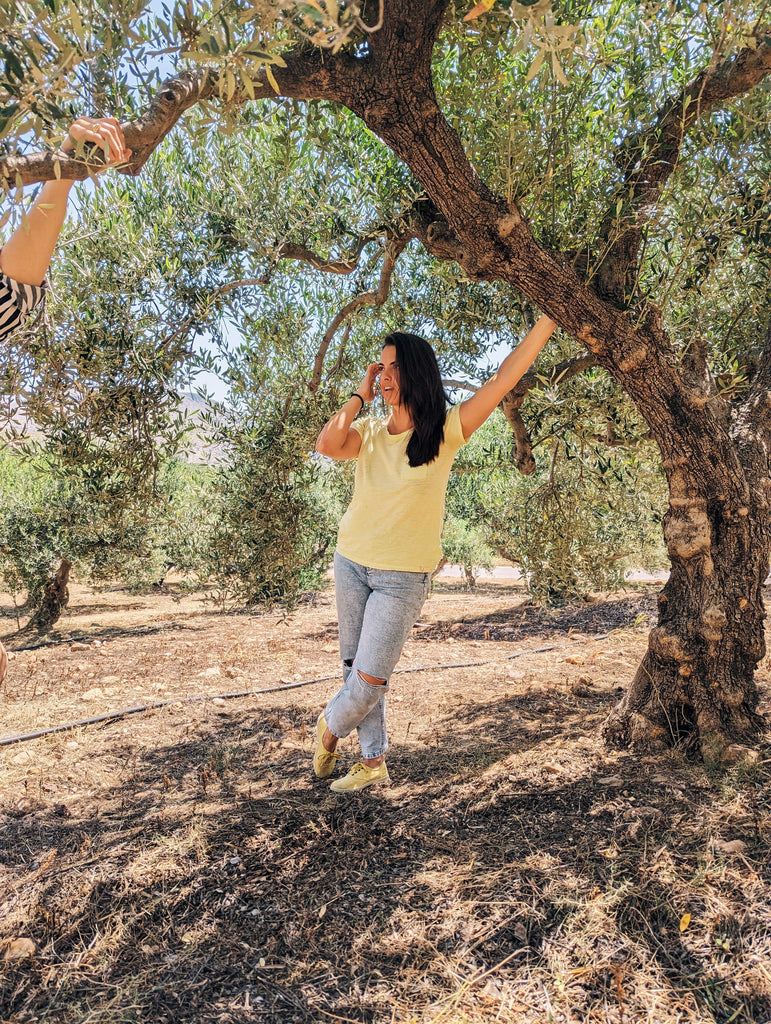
[355,394]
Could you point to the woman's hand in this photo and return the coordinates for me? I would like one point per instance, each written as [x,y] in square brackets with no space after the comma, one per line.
[367,387]
[104,132]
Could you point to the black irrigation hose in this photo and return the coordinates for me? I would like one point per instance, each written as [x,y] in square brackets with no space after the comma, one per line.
[112,715]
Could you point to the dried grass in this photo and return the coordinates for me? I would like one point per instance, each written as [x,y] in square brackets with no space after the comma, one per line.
[186,867]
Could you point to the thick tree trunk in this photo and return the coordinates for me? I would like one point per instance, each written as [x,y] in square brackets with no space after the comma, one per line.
[55,599]
[697,678]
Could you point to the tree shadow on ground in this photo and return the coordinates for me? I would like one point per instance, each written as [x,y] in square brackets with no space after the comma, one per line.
[503,875]
[537,621]
[15,641]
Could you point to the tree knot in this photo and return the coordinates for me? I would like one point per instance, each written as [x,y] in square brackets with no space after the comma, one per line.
[670,646]
[714,620]
[687,530]
[507,223]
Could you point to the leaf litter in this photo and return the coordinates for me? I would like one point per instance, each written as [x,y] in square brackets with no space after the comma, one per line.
[185,866]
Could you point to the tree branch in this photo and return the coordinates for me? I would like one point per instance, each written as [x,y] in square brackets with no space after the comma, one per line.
[512,403]
[346,265]
[341,351]
[556,374]
[461,385]
[647,159]
[755,410]
[309,74]
[174,97]
[522,444]
[394,249]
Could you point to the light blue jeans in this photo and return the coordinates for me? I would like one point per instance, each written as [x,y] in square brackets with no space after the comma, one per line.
[376,609]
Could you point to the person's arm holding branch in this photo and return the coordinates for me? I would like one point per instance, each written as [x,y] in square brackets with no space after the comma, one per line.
[475,410]
[26,255]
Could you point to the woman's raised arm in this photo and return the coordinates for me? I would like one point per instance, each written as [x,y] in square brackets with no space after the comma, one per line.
[475,410]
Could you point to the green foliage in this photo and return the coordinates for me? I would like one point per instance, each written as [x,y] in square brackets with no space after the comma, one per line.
[183,536]
[46,520]
[271,520]
[463,544]
[92,403]
[272,533]
[542,95]
[576,524]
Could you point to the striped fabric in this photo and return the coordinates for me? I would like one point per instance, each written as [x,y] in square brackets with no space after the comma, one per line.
[16,303]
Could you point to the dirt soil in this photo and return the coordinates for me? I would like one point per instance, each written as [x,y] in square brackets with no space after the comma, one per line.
[182,864]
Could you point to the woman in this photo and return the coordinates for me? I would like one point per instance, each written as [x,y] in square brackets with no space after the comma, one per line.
[25,256]
[388,542]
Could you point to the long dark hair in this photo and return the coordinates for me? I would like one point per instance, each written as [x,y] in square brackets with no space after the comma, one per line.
[421,391]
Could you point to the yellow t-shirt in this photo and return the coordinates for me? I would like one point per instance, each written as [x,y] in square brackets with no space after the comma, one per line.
[396,514]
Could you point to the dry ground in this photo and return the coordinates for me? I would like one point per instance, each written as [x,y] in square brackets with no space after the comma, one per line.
[182,864]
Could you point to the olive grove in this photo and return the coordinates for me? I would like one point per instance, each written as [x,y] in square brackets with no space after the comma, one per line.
[607,163]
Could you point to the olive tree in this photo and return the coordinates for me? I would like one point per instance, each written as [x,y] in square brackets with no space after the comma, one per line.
[607,161]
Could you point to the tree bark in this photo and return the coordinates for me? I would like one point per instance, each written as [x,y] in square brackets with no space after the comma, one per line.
[56,597]
[697,677]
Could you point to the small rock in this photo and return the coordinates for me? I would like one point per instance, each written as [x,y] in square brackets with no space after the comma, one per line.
[218,701]
[94,694]
[611,780]
[580,689]
[574,659]
[109,680]
[18,949]
[213,671]
[733,846]
[738,752]
[492,990]
[79,646]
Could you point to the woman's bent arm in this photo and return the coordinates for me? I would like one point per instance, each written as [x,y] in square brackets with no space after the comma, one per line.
[475,410]
[338,439]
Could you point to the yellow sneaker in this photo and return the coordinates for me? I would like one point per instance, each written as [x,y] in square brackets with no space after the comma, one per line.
[323,760]
[360,776]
